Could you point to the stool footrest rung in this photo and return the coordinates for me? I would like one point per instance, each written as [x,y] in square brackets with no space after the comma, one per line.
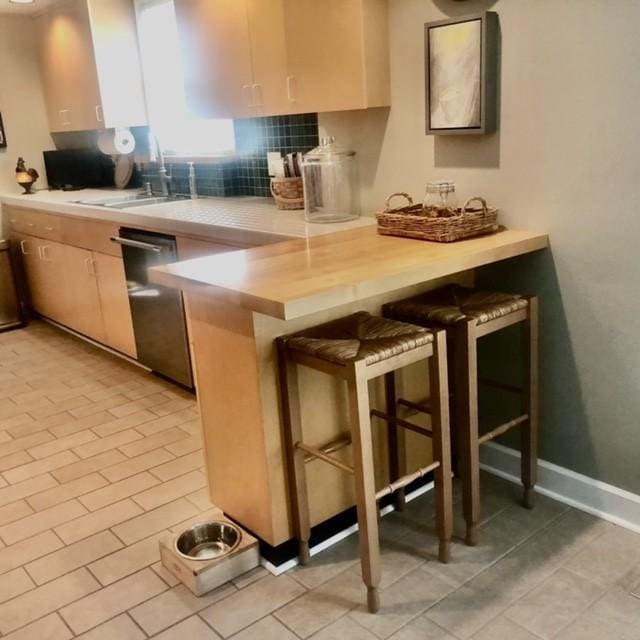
[399,422]
[334,445]
[505,386]
[503,428]
[422,407]
[321,455]
[405,480]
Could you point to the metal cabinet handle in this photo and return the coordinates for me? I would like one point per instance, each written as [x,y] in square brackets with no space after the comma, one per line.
[48,228]
[256,91]
[90,265]
[137,244]
[43,253]
[99,116]
[291,96]
[23,244]
[65,120]
[246,89]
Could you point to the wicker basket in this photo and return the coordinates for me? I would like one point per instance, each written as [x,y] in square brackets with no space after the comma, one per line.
[288,192]
[409,221]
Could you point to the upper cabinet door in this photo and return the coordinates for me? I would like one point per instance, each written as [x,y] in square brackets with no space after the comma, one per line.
[271,89]
[90,65]
[337,53]
[68,68]
[214,37]
[117,59]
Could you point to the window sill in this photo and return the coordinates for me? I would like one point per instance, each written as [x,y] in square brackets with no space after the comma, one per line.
[195,158]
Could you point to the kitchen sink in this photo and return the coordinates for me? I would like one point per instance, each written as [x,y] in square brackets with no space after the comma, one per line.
[128,202]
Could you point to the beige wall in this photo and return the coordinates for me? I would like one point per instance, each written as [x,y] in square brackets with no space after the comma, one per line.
[21,101]
[566,160]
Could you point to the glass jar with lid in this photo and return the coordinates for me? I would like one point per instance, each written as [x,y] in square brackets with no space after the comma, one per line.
[330,179]
[440,199]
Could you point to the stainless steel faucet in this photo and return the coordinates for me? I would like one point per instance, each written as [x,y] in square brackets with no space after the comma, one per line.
[165,176]
[193,191]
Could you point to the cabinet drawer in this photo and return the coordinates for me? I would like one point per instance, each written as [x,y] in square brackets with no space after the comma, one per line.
[189,248]
[92,235]
[34,223]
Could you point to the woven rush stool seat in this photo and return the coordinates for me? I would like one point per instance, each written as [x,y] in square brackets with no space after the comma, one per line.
[454,303]
[356,349]
[468,314]
[360,336]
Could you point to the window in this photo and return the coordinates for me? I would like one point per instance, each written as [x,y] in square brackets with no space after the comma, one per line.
[177,130]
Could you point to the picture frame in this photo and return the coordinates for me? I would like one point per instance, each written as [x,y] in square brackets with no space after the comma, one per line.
[3,136]
[461,74]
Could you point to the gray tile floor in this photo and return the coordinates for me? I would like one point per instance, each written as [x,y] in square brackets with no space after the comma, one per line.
[553,572]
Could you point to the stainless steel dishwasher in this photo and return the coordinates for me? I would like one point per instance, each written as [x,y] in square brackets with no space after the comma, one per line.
[158,312]
[10,315]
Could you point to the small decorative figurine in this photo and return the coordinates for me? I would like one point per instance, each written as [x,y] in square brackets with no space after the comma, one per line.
[25,177]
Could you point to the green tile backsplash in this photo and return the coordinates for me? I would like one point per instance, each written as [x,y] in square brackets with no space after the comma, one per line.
[246,173]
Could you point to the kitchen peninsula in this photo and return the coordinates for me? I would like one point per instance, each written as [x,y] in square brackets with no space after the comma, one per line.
[238,303]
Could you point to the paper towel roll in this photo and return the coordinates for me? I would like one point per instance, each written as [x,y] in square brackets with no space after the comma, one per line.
[118,141]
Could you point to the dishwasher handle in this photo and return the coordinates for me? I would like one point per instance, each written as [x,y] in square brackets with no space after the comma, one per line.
[137,244]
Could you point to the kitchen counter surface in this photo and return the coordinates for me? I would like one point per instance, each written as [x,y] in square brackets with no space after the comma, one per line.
[300,277]
[248,220]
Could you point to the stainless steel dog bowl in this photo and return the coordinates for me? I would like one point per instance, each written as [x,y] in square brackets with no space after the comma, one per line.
[208,540]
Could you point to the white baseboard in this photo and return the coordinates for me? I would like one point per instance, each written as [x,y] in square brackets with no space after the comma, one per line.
[574,489]
[582,492]
[341,535]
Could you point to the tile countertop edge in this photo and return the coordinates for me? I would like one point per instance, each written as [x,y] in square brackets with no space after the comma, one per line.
[157,218]
[334,295]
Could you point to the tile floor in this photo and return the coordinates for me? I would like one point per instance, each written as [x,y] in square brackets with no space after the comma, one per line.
[99,459]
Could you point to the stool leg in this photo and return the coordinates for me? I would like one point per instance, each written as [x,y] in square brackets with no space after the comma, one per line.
[453,419]
[440,428]
[466,363]
[290,402]
[529,429]
[367,506]
[392,439]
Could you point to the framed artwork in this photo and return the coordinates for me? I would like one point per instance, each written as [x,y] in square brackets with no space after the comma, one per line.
[3,137]
[461,68]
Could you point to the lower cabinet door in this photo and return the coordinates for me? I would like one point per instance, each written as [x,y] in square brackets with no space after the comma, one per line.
[112,289]
[44,270]
[84,313]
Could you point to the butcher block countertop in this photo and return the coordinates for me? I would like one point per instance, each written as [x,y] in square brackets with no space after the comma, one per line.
[298,277]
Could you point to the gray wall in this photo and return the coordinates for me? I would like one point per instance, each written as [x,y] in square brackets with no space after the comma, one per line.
[566,160]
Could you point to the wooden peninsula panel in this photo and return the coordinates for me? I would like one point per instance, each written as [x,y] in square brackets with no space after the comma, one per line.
[239,302]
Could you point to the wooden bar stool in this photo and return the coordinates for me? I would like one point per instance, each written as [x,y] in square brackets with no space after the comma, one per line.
[356,349]
[468,314]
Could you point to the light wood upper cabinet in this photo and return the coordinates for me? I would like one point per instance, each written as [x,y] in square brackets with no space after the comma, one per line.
[114,301]
[214,38]
[337,53]
[267,37]
[90,65]
[269,57]
[68,68]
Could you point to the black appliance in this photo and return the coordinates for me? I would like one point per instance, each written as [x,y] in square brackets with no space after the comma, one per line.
[158,312]
[71,169]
